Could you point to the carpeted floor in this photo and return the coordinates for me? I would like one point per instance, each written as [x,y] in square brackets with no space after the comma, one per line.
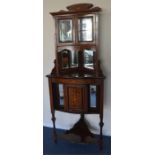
[64,147]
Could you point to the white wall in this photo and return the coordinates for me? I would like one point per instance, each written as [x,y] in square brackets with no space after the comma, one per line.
[65,120]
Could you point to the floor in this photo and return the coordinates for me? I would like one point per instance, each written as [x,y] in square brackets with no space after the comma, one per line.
[64,147]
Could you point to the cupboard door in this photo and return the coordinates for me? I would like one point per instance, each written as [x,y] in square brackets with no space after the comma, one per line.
[76,98]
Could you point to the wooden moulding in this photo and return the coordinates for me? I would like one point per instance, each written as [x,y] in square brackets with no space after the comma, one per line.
[78,8]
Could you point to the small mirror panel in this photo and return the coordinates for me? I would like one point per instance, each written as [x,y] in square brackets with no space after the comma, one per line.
[74,59]
[61,95]
[65,30]
[92,96]
[85,29]
[89,59]
[65,57]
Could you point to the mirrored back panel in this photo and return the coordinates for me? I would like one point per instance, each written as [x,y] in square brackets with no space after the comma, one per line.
[65,30]
[68,59]
[85,29]
[61,94]
[88,59]
[77,59]
[74,59]
[65,59]
[93,98]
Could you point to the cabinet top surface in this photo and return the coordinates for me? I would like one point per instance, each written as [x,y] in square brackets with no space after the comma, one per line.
[77,76]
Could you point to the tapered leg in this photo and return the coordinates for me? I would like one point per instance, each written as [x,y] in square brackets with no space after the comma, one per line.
[101,115]
[54,129]
[101,134]
[54,135]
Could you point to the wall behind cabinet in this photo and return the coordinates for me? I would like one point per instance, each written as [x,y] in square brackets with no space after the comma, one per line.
[65,120]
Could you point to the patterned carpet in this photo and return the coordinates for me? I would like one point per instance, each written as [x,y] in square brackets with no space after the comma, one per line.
[64,147]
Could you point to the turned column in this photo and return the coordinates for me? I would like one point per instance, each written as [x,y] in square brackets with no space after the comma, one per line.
[101,113]
[54,135]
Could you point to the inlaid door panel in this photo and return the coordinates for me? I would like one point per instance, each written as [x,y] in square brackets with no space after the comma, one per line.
[76,99]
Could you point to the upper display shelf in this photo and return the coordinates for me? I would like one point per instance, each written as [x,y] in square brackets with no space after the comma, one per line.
[78,8]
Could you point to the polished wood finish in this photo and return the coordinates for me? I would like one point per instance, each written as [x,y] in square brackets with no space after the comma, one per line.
[77,69]
[78,9]
[81,128]
[76,98]
[80,6]
[52,109]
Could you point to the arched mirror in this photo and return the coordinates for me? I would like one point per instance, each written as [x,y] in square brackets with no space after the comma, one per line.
[68,58]
[65,57]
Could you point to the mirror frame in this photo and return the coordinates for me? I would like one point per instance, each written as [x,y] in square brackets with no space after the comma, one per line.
[80,30]
[71,28]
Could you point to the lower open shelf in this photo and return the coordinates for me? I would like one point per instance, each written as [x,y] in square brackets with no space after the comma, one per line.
[79,133]
[73,138]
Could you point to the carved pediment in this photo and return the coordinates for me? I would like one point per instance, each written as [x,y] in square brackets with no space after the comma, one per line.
[77,8]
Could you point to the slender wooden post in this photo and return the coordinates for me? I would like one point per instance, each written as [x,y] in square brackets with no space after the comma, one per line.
[52,109]
[54,130]
[101,114]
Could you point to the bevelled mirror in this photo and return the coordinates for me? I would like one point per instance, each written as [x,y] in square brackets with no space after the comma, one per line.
[74,59]
[88,59]
[92,96]
[85,31]
[61,95]
[65,30]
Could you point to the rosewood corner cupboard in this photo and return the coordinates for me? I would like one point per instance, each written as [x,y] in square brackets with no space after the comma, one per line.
[76,81]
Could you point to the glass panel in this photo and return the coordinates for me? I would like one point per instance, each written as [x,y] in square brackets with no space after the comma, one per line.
[65,58]
[61,94]
[85,29]
[65,30]
[92,96]
[88,59]
[74,59]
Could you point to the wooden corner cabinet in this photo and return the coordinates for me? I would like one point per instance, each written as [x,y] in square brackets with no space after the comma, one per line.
[76,81]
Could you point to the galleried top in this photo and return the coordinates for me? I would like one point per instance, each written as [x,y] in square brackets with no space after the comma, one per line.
[78,8]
